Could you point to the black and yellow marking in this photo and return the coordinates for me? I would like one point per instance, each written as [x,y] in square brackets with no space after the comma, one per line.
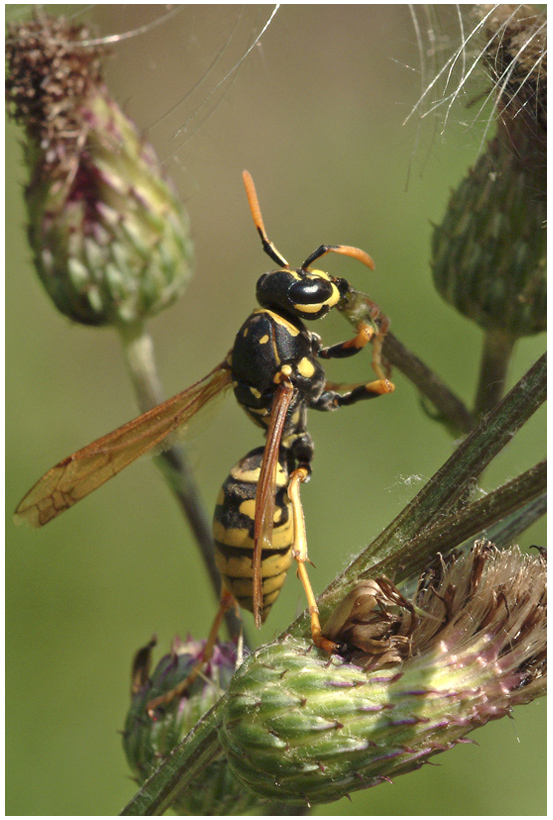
[233,531]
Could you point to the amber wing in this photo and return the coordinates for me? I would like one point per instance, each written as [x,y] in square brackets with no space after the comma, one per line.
[81,473]
[265,495]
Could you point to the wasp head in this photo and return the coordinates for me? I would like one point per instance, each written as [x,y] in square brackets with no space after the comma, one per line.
[305,294]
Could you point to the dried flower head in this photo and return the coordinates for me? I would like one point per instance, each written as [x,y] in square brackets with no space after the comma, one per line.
[458,602]
[109,235]
[415,678]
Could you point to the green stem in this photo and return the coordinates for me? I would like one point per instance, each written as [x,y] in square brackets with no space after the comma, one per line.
[173,463]
[450,409]
[180,768]
[506,531]
[448,487]
[470,522]
[496,355]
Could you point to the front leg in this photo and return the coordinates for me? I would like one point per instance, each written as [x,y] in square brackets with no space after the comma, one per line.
[332,399]
[352,346]
[365,334]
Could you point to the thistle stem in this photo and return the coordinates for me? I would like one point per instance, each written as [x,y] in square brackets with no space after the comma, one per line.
[496,355]
[173,463]
[447,489]
[449,407]
[198,749]
[470,521]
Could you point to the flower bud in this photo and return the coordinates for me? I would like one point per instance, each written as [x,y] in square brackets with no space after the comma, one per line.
[147,741]
[415,677]
[110,238]
[489,252]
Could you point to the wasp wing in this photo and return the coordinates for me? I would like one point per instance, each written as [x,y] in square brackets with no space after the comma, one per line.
[266,489]
[81,473]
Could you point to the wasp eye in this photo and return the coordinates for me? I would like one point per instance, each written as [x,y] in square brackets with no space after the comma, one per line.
[310,291]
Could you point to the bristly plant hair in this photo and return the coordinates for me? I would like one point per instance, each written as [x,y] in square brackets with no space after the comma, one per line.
[507,40]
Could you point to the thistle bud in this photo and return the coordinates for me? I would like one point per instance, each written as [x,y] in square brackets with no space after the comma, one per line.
[488,254]
[109,236]
[147,741]
[415,677]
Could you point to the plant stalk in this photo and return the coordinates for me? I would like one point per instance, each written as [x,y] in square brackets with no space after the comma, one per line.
[201,746]
[449,407]
[470,521]
[496,355]
[173,463]
[448,487]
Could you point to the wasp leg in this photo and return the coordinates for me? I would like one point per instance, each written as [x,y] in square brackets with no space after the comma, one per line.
[365,334]
[301,448]
[331,399]
[299,552]
[226,602]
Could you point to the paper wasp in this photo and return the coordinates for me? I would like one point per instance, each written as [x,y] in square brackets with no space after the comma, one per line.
[276,375]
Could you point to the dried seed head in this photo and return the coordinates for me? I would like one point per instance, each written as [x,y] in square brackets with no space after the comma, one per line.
[49,75]
[458,603]
[109,235]
[148,741]
[416,677]
[371,619]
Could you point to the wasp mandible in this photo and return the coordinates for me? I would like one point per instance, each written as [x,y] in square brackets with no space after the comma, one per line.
[275,370]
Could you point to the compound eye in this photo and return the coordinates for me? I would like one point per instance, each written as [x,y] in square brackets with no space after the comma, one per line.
[343,286]
[310,292]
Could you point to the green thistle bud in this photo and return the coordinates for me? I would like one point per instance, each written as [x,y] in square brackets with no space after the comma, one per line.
[148,741]
[109,235]
[415,678]
[488,255]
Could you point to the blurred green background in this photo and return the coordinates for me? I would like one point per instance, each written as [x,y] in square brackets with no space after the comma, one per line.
[315,112]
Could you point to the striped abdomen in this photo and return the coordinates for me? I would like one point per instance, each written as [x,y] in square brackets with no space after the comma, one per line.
[233,526]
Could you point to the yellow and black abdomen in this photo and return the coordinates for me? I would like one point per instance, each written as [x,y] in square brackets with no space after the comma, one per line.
[233,525]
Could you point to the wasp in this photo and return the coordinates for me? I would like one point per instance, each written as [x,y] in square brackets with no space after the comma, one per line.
[276,373]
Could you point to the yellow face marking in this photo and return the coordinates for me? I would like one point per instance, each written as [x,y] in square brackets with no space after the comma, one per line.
[264,340]
[330,302]
[255,392]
